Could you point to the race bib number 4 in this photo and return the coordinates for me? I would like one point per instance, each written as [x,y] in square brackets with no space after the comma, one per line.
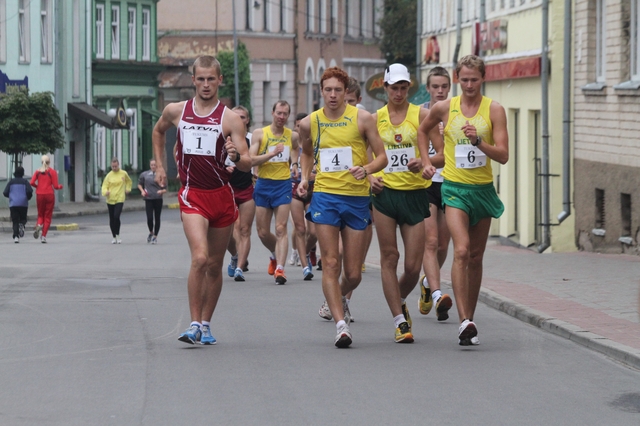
[469,157]
[336,159]
[282,157]
[199,142]
[398,159]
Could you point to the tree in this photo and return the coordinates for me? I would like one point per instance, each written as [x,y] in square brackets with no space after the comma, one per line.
[225,58]
[29,124]
[399,26]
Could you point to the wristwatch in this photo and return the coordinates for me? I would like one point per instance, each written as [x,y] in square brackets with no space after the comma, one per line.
[478,140]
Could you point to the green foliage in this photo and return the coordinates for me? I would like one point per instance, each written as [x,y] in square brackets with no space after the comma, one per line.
[29,124]
[399,27]
[225,58]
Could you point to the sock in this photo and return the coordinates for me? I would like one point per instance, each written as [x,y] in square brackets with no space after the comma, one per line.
[206,323]
[436,295]
[425,282]
[402,301]
[399,319]
[273,255]
[234,261]
[234,258]
[280,267]
[348,301]
[340,324]
[196,323]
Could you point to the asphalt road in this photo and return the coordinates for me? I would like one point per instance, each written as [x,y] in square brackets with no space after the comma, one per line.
[89,336]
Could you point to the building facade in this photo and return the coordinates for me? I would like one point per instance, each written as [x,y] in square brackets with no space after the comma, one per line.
[290,44]
[607,108]
[510,42]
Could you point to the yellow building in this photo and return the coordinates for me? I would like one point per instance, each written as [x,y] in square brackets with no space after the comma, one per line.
[510,42]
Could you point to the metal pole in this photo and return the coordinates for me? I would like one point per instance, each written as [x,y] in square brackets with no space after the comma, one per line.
[418,41]
[458,42]
[544,80]
[235,54]
[566,117]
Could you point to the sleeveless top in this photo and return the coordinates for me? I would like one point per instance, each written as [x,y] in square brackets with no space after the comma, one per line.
[401,145]
[240,179]
[337,146]
[200,153]
[464,163]
[277,168]
[437,176]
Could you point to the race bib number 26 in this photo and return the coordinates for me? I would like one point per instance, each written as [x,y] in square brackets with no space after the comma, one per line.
[199,142]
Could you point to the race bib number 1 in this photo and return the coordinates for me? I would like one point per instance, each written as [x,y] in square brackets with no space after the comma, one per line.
[336,159]
[281,157]
[198,142]
[398,159]
[469,157]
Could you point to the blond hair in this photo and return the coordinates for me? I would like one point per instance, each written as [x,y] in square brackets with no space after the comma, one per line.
[45,163]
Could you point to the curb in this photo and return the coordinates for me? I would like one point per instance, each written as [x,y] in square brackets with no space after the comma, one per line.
[66,227]
[173,206]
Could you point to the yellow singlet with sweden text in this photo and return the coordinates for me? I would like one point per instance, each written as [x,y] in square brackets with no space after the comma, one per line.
[338,145]
[278,167]
[464,163]
[401,145]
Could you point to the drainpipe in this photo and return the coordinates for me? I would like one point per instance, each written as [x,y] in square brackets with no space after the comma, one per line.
[458,41]
[93,179]
[566,116]
[418,41]
[544,80]
[483,18]
[235,54]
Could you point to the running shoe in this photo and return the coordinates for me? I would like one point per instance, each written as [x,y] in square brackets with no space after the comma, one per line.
[312,257]
[36,232]
[43,239]
[309,261]
[231,268]
[245,268]
[425,303]
[343,337]
[364,268]
[113,241]
[466,332]
[191,335]
[281,278]
[273,264]
[16,240]
[149,238]
[307,274]
[325,312]
[442,307]
[403,333]
[238,275]
[294,257]
[21,230]
[206,337]
[474,341]
[154,240]
[345,308]
[118,240]
[405,312]
[319,268]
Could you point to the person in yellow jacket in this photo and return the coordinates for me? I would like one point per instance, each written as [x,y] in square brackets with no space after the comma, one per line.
[475,132]
[115,186]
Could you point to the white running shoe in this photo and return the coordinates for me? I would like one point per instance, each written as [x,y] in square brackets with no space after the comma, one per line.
[294,258]
[16,240]
[345,308]
[325,312]
[118,240]
[467,332]
[43,240]
[113,241]
[343,337]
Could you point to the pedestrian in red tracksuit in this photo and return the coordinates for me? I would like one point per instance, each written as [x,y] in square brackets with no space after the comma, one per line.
[45,180]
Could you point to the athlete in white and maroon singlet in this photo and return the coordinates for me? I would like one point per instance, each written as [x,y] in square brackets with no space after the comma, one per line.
[208,133]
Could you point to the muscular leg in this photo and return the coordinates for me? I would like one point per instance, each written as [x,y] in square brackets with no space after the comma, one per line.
[389,256]
[263,225]
[430,259]
[458,222]
[328,239]
[242,231]
[300,231]
[282,238]
[478,235]
[443,237]
[352,257]
[413,240]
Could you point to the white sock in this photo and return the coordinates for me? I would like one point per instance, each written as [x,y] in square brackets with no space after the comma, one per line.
[425,282]
[436,295]
[402,301]
[399,319]
[280,267]
[206,323]
[340,324]
[196,323]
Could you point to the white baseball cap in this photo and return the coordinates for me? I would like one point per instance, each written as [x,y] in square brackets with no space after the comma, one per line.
[395,73]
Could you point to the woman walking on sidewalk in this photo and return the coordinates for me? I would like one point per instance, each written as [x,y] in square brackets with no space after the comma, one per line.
[44,180]
[116,184]
[152,194]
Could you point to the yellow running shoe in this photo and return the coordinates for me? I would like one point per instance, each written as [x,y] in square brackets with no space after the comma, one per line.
[425,303]
[405,312]
[403,333]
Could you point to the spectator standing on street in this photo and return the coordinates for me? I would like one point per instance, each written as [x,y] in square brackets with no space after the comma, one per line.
[45,180]
[19,192]
[475,132]
[115,186]
[152,193]
[208,133]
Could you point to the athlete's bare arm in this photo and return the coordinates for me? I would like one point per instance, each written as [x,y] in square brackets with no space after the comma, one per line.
[256,158]
[306,159]
[170,118]
[369,130]
[233,126]
[295,144]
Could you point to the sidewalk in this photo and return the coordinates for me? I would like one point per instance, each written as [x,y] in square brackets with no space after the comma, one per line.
[589,298]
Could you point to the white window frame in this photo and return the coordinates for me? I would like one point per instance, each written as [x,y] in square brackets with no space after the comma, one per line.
[116,145]
[115,32]
[635,40]
[266,100]
[146,34]
[100,31]
[46,32]
[131,22]
[133,139]
[3,31]
[601,41]
[24,32]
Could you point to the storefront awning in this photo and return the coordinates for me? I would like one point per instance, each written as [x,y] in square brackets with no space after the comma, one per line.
[91,113]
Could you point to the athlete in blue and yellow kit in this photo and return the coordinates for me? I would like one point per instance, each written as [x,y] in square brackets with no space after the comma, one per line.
[475,133]
[335,139]
[400,195]
[272,149]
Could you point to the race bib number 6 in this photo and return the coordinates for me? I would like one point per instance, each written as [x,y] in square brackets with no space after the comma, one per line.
[336,159]
[198,142]
[469,157]
[282,157]
[398,159]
